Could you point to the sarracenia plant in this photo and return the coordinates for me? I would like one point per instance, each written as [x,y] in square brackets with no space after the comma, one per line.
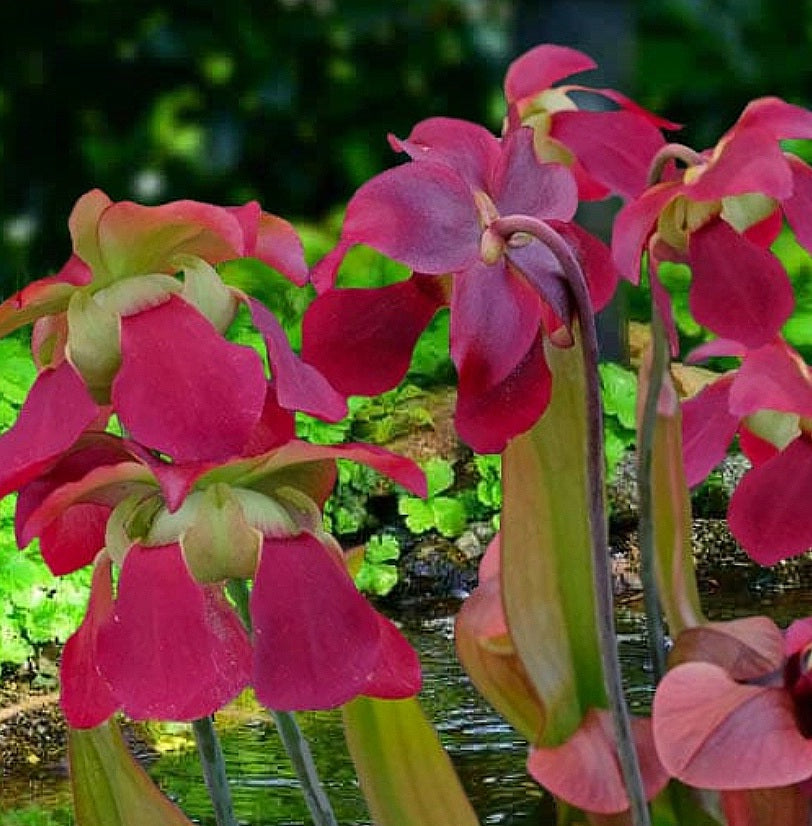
[164,456]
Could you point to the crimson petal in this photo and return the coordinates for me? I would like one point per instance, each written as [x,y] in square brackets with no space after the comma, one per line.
[55,413]
[362,340]
[615,148]
[316,639]
[299,386]
[85,696]
[397,672]
[182,388]
[714,733]
[769,510]
[798,208]
[172,649]
[782,119]
[486,418]
[542,66]
[738,289]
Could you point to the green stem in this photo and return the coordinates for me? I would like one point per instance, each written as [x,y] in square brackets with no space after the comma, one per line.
[214,770]
[645,506]
[602,574]
[293,740]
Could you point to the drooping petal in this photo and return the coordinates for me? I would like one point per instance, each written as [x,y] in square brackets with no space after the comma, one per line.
[585,771]
[182,388]
[539,68]
[421,214]
[750,161]
[797,636]
[47,296]
[715,733]
[521,185]
[774,377]
[276,426]
[55,413]
[316,639]
[362,340]
[85,696]
[768,512]
[738,289]
[781,119]
[495,317]
[468,148]
[748,649]
[73,539]
[299,385]
[708,428]
[397,672]
[616,148]
[172,649]
[634,223]
[487,418]
[798,208]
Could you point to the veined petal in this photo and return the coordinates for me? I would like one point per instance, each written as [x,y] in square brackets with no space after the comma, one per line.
[495,317]
[702,718]
[615,148]
[708,428]
[468,148]
[55,413]
[768,511]
[522,185]
[738,289]
[362,339]
[537,70]
[85,696]
[209,392]
[421,214]
[798,208]
[486,418]
[316,639]
[299,385]
[585,771]
[171,649]
[633,225]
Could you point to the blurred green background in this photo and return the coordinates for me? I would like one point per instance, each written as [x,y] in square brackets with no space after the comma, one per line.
[290,101]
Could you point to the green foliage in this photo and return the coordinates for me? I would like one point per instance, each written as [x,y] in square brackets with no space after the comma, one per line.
[377,575]
[619,396]
[443,513]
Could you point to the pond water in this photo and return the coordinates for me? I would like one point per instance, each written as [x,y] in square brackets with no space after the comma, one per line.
[487,754]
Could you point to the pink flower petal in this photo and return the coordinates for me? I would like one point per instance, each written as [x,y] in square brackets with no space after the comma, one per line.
[316,639]
[585,771]
[714,733]
[172,649]
[738,290]
[798,208]
[486,418]
[495,317]
[421,214]
[774,377]
[536,70]
[521,185]
[73,539]
[397,671]
[55,413]
[769,510]
[182,388]
[299,386]
[468,148]
[85,696]
[708,428]
[797,636]
[615,148]
[750,161]
[715,348]
[781,119]
[47,296]
[633,225]
[276,426]
[362,340]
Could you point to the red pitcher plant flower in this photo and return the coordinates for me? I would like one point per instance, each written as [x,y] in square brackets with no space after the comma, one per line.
[443,215]
[161,640]
[719,215]
[607,151]
[116,327]
[768,402]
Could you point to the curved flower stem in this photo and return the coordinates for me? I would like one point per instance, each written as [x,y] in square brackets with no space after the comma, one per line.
[602,575]
[214,770]
[645,530]
[291,735]
[672,152]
